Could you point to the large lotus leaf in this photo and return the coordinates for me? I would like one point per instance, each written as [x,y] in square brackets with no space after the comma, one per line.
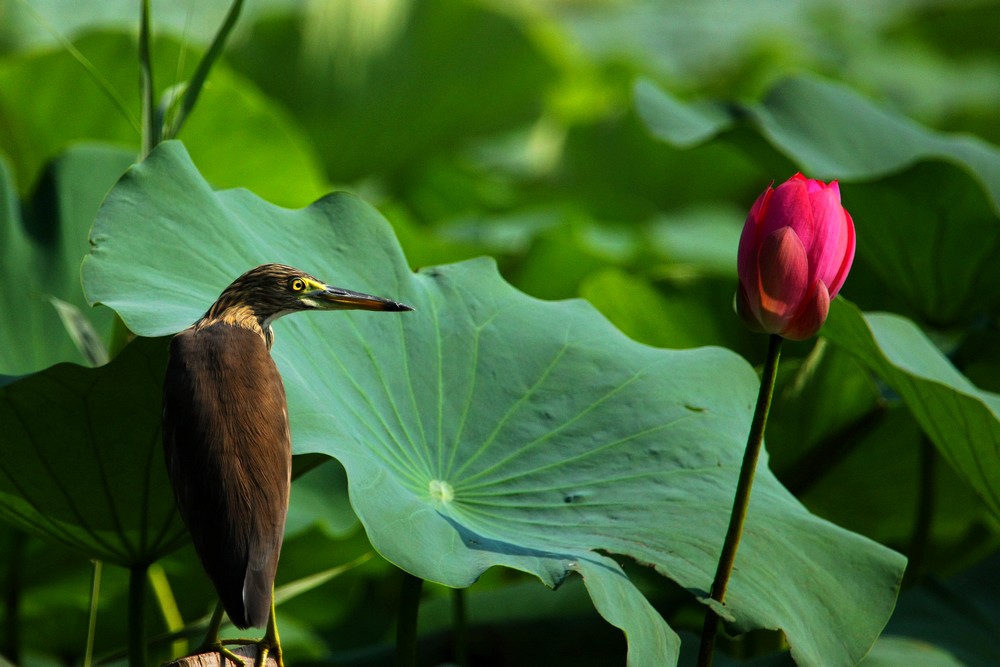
[961,419]
[41,245]
[81,458]
[489,428]
[909,178]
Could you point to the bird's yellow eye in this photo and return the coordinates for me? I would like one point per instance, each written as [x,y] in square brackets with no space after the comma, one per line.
[296,284]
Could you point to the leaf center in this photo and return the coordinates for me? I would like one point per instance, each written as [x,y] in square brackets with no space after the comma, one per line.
[441,490]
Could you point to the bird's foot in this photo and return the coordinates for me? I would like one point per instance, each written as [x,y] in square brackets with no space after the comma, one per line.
[269,643]
[266,647]
[271,648]
[218,646]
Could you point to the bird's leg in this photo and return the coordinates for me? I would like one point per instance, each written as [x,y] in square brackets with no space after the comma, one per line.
[212,642]
[269,643]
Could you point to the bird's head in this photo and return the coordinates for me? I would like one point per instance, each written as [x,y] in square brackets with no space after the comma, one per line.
[269,291]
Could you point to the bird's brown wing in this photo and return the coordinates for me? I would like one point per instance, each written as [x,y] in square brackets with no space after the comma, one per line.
[228,453]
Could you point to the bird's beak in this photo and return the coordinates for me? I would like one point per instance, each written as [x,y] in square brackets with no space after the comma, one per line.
[336,298]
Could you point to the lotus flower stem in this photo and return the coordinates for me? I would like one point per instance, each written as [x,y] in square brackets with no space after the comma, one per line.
[738,517]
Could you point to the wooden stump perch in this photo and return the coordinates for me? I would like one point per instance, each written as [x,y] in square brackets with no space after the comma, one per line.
[213,659]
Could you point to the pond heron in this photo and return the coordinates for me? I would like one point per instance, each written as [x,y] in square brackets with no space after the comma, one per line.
[227,442]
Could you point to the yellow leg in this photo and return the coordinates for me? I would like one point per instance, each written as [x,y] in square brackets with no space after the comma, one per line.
[212,642]
[270,644]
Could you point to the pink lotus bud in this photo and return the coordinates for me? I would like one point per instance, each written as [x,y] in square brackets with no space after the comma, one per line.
[795,252]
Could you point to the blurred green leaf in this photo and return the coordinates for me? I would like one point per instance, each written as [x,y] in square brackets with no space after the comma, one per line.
[511,234]
[91,479]
[959,418]
[677,313]
[834,132]
[818,398]
[275,159]
[698,240]
[850,488]
[42,246]
[843,447]
[343,615]
[614,170]
[563,256]
[379,90]
[683,125]
[424,245]
[38,127]
[319,498]
[541,627]
[957,617]
[36,25]
[488,428]
[895,651]
[46,585]
[81,332]
[826,128]
[674,318]
[946,274]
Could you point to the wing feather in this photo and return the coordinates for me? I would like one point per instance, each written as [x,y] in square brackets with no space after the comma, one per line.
[228,453]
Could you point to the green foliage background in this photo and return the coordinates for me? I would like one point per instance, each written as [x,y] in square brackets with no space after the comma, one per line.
[604,150]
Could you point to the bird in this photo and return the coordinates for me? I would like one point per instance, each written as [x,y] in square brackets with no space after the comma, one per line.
[227,442]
